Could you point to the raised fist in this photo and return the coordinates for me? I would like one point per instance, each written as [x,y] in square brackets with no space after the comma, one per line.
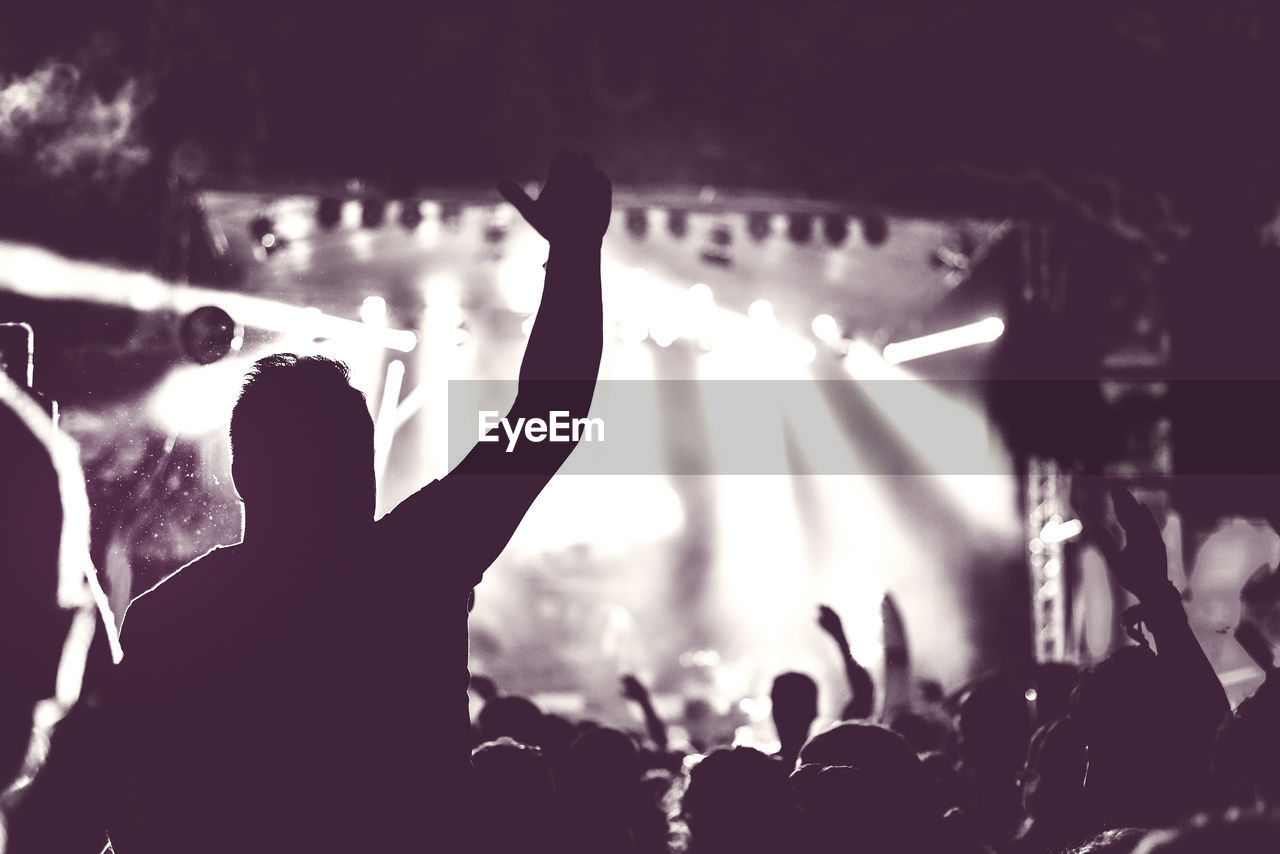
[829,620]
[1141,566]
[633,689]
[574,205]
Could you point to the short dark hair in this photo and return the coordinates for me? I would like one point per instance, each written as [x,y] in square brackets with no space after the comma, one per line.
[284,386]
[795,689]
[297,415]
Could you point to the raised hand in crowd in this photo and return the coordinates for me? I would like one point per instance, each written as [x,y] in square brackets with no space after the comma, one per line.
[862,692]
[635,691]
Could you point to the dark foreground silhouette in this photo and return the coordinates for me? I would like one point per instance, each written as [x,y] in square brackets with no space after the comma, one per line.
[305,690]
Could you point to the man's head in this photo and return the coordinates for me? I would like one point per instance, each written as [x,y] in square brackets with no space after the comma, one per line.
[794,698]
[302,442]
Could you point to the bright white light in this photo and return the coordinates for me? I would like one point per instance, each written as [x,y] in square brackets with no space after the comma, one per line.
[982,332]
[196,400]
[351,214]
[268,240]
[761,311]
[944,432]
[662,335]
[295,220]
[825,328]
[632,332]
[1059,532]
[385,425]
[373,311]
[697,315]
[609,514]
[1030,695]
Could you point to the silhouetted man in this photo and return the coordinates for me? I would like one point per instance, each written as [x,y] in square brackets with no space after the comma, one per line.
[794,699]
[305,690]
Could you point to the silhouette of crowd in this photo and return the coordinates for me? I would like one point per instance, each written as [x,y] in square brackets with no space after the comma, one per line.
[306,689]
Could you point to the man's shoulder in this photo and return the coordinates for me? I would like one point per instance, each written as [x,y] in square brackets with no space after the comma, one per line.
[416,515]
[173,599]
[430,496]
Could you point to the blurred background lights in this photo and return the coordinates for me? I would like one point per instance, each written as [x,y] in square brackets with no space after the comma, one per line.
[825,328]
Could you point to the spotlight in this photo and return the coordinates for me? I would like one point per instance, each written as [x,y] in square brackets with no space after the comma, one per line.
[761,311]
[677,223]
[329,213]
[758,225]
[263,230]
[373,213]
[410,214]
[637,221]
[800,228]
[982,332]
[826,329]
[875,230]
[835,228]
[1059,532]
[209,333]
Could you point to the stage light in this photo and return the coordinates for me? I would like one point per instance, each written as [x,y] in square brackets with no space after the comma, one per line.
[800,228]
[263,229]
[373,311]
[374,212]
[761,311]
[196,400]
[663,336]
[677,223]
[875,230]
[826,329]
[410,214]
[982,332]
[209,333]
[637,222]
[698,313]
[701,293]
[329,213]
[292,222]
[835,228]
[40,274]
[758,225]
[1056,531]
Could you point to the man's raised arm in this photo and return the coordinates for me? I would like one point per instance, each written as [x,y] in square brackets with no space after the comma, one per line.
[497,481]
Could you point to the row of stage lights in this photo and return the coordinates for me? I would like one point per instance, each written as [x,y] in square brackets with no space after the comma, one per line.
[692,320]
[638,222]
